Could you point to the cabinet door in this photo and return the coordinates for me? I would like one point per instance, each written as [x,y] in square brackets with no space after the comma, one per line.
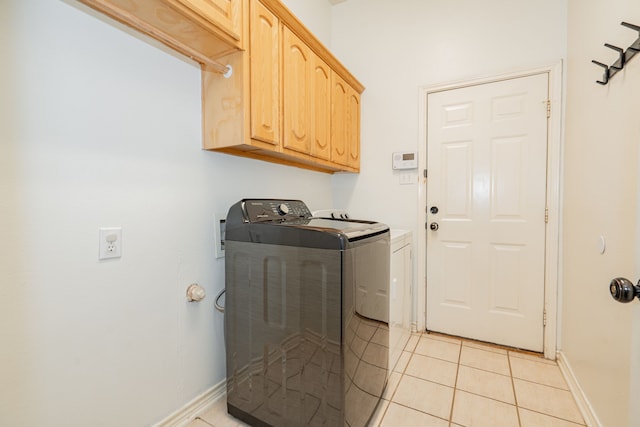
[353,128]
[339,145]
[265,78]
[296,92]
[321,110]
[225,14]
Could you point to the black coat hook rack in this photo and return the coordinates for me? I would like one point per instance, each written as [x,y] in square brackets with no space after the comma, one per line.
[624,58]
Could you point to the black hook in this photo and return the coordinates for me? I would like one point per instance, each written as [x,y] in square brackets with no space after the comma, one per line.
[633,27]
[635,47]
[621,52]
[625,56]
[606,72]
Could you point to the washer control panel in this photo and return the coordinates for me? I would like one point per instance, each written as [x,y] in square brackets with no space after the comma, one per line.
[258,210]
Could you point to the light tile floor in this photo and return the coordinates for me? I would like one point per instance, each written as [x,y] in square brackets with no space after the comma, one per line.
[450,382]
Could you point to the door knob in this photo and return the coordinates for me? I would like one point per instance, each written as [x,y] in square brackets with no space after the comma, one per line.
[622,290]
[434,226]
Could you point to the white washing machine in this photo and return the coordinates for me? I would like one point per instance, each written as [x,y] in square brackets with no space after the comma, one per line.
[400,292]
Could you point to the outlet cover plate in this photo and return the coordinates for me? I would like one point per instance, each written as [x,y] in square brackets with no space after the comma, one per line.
[110,243]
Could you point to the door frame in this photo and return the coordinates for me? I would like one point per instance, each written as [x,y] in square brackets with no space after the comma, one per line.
[553,197]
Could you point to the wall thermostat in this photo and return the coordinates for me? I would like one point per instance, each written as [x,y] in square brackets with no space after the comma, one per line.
[405,160]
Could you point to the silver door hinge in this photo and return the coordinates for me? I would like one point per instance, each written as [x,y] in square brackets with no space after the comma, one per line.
[548,108]
[425,173]
[546,215]
[544,318]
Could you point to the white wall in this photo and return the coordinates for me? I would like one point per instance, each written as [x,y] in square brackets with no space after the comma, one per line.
[315,15]
[601,190]
[102,128]
[395,47]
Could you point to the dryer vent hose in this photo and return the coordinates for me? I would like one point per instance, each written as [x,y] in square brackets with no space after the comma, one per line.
[219,307]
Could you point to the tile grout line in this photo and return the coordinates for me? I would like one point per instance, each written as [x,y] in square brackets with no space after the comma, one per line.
[204,421]
[543,384]
[555,417]
[399,381]
[513,388]
[421,411]
[485,370]
[455,386]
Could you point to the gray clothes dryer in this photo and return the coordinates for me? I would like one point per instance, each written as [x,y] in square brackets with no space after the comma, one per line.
[306,315]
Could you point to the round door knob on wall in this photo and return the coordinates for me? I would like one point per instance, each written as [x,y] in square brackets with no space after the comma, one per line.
[434,226]
[622,290]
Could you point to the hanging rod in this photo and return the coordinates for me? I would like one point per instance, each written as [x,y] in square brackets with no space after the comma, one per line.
[215,66]
[225,70]
[623,58]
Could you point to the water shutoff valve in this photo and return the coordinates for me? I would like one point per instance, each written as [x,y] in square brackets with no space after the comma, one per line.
[195,292]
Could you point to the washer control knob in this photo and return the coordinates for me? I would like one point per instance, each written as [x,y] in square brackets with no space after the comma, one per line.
[283,209]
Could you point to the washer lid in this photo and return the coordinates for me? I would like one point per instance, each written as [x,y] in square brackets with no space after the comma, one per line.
[352,229]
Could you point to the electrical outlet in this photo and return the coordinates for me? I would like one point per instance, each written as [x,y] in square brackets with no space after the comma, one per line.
[110,243]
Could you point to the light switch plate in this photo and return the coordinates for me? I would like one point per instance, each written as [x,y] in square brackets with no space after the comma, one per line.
[408,178]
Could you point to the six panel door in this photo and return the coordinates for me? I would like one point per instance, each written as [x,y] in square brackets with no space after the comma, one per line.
[486,191]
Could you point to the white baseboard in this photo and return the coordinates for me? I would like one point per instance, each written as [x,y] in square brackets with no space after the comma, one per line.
[199,404]
[589,415]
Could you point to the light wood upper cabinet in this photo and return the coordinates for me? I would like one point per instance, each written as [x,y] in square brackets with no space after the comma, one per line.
[264,70]
[226,14]
[339,108]
[353,128]
[321,110]
[345,124]
[200,29]
[297,87]
[288,101]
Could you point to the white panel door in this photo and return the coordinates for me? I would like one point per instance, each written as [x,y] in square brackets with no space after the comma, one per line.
[486,191]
